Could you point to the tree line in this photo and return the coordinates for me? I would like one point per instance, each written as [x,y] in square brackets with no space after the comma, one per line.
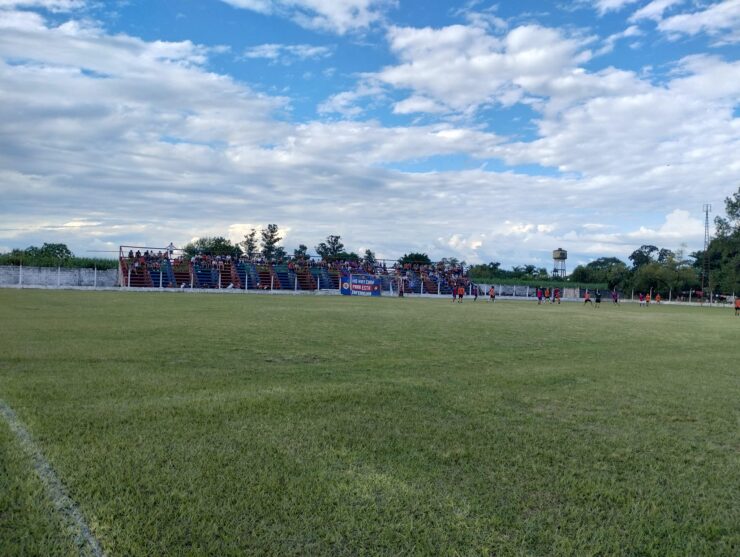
[651,267]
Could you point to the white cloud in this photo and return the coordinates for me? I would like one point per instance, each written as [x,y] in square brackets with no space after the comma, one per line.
[679,225]
[418,103]
[720,20]
[328,15]
[51,5]
[605,6]
[464,67]
[631,32]
[287,53]
[654,10]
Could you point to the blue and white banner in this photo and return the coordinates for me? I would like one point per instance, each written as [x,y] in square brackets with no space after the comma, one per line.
[360,285]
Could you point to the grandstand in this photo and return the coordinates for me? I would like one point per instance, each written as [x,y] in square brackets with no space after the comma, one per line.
[168,268]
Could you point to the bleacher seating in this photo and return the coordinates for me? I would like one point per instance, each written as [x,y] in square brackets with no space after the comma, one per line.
[266,277]
[205,278]
[321,276]
[305,280]
[283,276]
[218,272]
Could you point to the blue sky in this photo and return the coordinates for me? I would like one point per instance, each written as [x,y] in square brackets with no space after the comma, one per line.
[487,131]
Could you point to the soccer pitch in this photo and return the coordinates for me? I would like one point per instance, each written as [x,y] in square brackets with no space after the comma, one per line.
[203,424]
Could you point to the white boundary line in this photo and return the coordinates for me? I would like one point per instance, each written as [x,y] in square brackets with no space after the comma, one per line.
[83,536]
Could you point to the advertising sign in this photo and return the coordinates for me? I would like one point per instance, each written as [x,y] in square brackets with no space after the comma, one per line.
[360,285]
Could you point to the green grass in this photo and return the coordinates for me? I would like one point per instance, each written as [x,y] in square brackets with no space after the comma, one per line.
[188,424]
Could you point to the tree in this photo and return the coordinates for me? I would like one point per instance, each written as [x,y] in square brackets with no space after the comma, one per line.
[300,253]
[369,257]
[415,258]
[642,256]
[279,254]
[217,245]
[664,255]
[270,239]
[250,244]
[724,250]
[331,249]
[729,225]
[55,251]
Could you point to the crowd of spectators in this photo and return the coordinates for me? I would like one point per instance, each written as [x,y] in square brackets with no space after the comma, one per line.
[405,273]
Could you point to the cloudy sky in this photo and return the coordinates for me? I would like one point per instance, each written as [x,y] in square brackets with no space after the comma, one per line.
[487,131]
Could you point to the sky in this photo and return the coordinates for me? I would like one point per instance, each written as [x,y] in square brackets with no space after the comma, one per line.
[485,131]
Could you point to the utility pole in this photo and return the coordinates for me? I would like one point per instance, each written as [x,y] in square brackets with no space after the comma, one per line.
[707,208]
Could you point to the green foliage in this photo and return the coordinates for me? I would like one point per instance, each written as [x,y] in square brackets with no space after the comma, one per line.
[249,244]
[332,249]
[642,256]
[301,253]
[217,245]
[54,255]
[524,273]
[609,270]
[724,249]
[413,257]
[369,257]
[270,239]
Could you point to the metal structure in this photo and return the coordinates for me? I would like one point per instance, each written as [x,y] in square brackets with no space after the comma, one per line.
[707,208]
[558,258]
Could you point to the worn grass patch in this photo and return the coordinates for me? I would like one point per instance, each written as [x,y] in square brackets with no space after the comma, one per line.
[243,424]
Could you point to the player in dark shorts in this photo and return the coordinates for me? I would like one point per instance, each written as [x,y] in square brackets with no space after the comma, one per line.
[587,298]
[460,293]
[615,296]
[737,306]
[598,298]
[492,294]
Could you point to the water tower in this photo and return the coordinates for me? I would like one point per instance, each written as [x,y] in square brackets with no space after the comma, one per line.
[558,259]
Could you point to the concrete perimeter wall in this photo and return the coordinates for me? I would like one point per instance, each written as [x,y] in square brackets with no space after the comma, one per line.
[56,276]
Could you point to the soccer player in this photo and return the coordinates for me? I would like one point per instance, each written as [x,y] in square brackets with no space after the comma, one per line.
[492,294]
[598,299]
[587,298]
[642,299]
[658,298]
[615,297]
[475,292]
[556,294]
[539,296]
[547,295]
[460,293]
[737,306]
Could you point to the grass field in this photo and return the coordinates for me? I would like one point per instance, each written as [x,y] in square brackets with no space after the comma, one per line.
[277,425]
